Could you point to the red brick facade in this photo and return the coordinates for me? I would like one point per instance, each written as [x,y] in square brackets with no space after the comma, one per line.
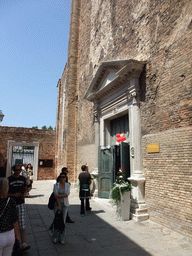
[160,33]
[168,183]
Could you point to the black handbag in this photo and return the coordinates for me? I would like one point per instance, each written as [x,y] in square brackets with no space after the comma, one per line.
[17,249]
[51,202]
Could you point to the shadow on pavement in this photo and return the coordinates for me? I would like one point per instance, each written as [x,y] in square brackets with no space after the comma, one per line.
[34,196]
[89,235]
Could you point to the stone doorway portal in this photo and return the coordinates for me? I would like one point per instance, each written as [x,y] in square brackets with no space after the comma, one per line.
[115,90]
[17,153]
[22,154]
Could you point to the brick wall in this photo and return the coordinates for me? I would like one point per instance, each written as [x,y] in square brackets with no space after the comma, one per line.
[158,32]
[46,139]
[60,151]
[86,155]
[168,186]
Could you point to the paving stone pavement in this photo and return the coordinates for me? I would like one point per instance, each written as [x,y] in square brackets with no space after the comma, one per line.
[99,233]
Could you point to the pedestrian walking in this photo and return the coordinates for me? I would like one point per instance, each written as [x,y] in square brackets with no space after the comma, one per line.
[8,220]
[18,190]
[24,170]
[64,170]
[61,191]
[84,193]
[29,178]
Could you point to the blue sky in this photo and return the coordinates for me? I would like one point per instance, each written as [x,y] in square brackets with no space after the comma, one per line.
[33,53]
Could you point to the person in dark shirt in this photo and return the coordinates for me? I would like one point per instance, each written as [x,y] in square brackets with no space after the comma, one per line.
[84,193]
[18,190]
[8,220]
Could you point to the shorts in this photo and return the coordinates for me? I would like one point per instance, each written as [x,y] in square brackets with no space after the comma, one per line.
[84,194]
[21,215]
[7,240]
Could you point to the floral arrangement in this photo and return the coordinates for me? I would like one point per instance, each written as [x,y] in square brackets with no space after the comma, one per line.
[120,186]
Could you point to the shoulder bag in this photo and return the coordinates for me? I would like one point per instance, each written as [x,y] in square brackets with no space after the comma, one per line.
[5,207]
[51,202]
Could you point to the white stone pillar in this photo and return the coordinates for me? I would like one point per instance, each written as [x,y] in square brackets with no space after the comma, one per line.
[97,144]
[137,179]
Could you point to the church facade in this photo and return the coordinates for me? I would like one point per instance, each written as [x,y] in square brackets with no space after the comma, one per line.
[129,72]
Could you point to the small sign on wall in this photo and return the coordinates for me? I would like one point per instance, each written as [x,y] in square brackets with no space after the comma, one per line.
[153,148]
[45,162]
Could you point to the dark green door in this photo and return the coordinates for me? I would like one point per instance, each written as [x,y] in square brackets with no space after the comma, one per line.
[105,172]
[125,158]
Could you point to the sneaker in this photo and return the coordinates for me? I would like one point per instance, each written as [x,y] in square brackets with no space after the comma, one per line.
[62,242]
[82,215]
[54,240]
[89,209]
[25,247]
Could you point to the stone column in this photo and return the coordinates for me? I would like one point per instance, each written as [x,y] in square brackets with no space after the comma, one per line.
[137,179]
[97,144]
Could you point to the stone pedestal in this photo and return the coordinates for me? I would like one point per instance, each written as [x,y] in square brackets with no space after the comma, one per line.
[125,205]
[94,185]
[138,206]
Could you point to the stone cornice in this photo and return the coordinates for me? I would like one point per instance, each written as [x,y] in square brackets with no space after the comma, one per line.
[125,70]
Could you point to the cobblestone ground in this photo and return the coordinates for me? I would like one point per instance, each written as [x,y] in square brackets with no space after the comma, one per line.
[99,233]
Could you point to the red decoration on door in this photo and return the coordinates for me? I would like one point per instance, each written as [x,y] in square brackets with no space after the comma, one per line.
[120,137]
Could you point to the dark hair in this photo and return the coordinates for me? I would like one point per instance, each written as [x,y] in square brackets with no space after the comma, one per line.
[64,170]
[58,178]
[16,165]
[64,174]
[83,167]
[31,166]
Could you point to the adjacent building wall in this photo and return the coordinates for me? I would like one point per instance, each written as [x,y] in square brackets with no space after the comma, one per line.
[45,138]
[62,124]
[168,187]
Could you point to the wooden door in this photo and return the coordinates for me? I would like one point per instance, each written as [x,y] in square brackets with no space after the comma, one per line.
[105,172]
[125,158]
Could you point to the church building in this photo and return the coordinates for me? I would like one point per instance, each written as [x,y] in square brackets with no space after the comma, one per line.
[129,71]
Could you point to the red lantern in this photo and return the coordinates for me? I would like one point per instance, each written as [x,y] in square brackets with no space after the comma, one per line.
[118,135]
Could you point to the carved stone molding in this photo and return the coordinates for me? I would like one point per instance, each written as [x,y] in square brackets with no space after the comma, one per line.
[111,76]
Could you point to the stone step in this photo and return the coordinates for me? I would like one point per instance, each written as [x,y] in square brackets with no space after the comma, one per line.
[140,217]
[141,211]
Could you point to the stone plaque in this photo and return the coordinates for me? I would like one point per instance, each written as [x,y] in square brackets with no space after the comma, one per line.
[153,148]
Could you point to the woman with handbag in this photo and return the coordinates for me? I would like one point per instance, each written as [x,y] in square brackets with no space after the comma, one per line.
[61,192]
[8,220]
